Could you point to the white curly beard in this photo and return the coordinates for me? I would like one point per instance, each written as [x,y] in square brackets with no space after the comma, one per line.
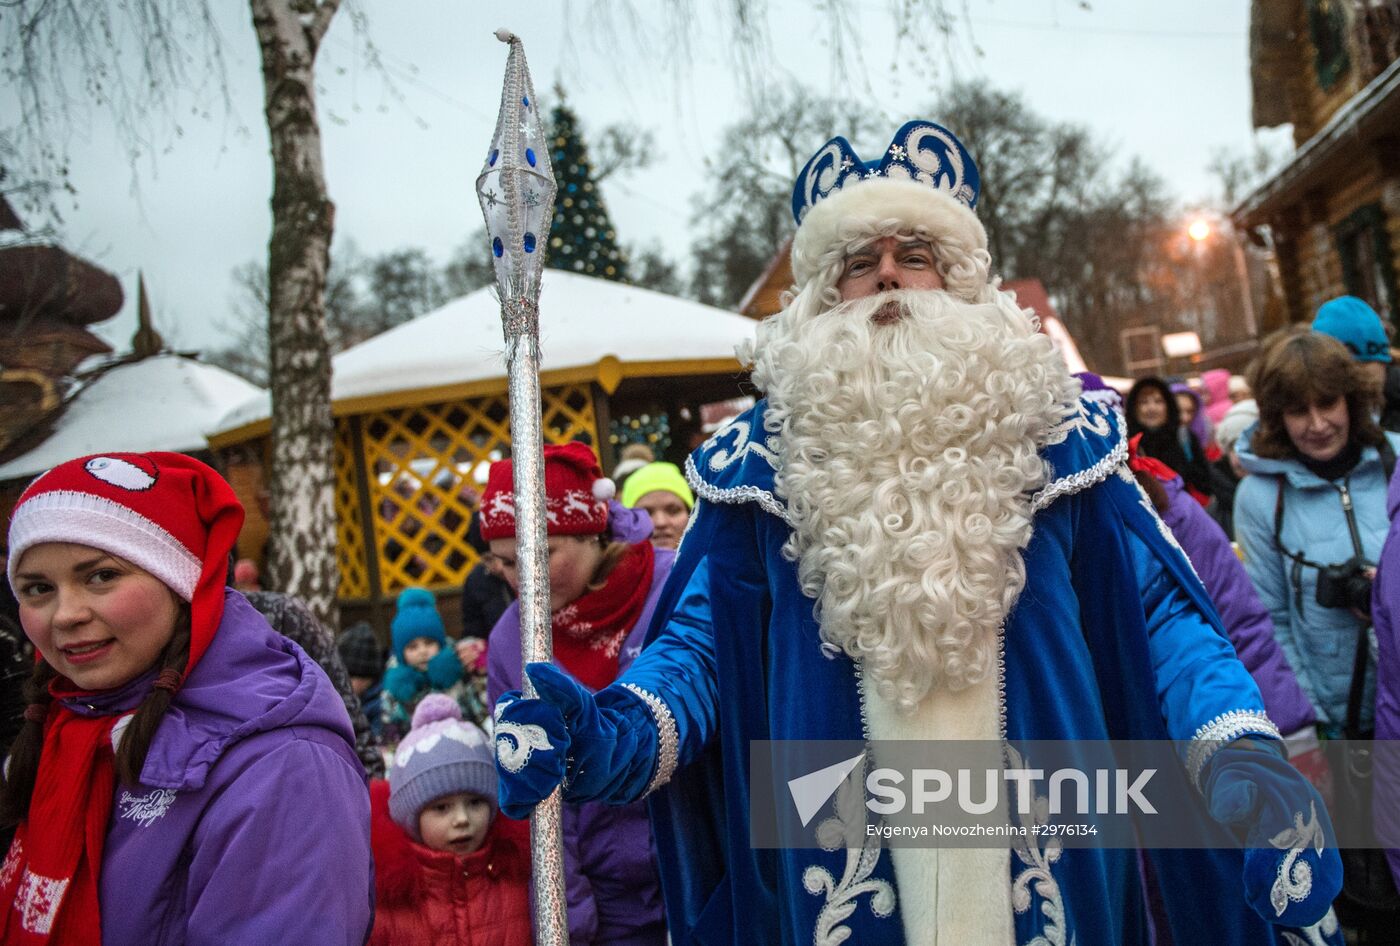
[909,453]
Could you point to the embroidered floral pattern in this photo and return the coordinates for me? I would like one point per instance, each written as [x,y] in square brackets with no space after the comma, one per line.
[516,741]
[847,830]
[1037,878]
[724,457]
[145,810]
[1294,880]
[37,901]
[667,740]
[1223,729]
[1081,417]
[1100,471]
[1315,935]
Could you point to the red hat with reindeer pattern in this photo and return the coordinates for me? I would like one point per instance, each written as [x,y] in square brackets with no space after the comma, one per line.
[576,494]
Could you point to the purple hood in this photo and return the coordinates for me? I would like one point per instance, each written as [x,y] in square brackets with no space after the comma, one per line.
[251,822]
[1200,425]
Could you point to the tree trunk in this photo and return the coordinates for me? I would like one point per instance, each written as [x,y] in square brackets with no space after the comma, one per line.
[302,559]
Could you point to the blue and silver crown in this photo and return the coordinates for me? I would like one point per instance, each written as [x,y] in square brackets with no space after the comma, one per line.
[921,151]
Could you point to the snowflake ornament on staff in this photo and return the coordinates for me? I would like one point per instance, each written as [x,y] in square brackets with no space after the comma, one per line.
[516,189]
[516,185]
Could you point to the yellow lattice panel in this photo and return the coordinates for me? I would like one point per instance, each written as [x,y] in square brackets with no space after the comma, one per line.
[568,412]
[350,533]
[426,465]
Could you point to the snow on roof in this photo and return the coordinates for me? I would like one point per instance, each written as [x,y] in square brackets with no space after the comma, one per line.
[165,402]
[582,321]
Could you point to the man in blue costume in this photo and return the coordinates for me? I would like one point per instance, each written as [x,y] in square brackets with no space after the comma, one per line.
[924,532]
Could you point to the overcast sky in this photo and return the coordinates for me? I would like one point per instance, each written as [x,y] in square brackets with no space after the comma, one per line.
[1166,82]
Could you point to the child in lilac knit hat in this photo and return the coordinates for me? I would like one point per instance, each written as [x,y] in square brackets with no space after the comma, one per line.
[442,787]
[446,869]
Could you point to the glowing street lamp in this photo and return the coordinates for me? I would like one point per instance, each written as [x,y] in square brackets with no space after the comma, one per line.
[1201,229]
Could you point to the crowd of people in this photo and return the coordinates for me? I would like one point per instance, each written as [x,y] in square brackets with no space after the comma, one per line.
[917,534]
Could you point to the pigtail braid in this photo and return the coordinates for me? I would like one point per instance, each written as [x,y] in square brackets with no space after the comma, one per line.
[136,740]
[21,769]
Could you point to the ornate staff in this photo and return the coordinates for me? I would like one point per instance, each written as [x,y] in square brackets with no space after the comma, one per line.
[516,189]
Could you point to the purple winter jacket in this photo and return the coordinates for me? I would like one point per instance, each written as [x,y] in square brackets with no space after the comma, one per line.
[1245,616]
[611,880]
[1385,611]
[251,822]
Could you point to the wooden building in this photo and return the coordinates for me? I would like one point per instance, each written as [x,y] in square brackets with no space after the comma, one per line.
[421,411]
[1331,68]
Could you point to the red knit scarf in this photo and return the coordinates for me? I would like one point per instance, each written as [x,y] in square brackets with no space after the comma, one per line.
[588,633]
[51,886]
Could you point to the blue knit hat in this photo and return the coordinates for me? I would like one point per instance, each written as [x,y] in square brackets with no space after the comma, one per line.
[1356,325]
[441,755]
[416,616]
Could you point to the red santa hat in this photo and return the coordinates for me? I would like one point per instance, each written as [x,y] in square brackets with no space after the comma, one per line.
[576,494]
[166,513]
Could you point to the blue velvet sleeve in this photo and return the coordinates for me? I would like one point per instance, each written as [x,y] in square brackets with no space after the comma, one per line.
[1204,692]
[675,675]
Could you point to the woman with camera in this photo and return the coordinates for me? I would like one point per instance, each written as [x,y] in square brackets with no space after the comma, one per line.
[1312,517]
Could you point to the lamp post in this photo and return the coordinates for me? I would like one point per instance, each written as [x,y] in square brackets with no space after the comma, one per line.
[1200,229]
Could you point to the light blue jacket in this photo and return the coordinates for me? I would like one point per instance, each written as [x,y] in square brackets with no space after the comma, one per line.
[1320,643]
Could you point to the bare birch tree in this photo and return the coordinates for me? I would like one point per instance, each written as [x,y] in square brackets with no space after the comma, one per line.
[298,254]
[68,57]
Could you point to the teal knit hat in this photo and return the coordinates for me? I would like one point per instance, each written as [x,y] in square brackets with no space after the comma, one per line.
[416,616]
[1356,325]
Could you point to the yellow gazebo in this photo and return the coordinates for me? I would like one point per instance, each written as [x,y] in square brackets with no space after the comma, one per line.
[421,411]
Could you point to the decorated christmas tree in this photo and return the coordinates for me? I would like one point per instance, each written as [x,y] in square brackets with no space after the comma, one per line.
[581,239]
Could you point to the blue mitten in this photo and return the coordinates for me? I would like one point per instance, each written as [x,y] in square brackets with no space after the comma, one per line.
[445,668]
[600,746]
[404,683]
[1292,871]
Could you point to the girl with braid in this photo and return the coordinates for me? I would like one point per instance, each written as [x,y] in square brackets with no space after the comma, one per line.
[184,773]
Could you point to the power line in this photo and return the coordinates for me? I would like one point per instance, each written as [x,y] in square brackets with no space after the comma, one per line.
[1108,31]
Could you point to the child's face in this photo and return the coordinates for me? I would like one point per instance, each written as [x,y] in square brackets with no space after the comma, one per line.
[419,651]
[455,823]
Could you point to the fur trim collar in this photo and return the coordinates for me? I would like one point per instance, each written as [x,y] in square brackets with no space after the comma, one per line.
[861,207]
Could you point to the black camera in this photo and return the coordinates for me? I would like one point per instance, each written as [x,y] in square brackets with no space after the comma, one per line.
[1345,585]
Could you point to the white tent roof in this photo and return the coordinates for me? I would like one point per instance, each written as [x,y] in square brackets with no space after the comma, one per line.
[165,402]
[582,321]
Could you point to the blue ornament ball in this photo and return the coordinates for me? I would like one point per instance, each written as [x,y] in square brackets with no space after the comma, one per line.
[497,248]
[529,242]
[530,156]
